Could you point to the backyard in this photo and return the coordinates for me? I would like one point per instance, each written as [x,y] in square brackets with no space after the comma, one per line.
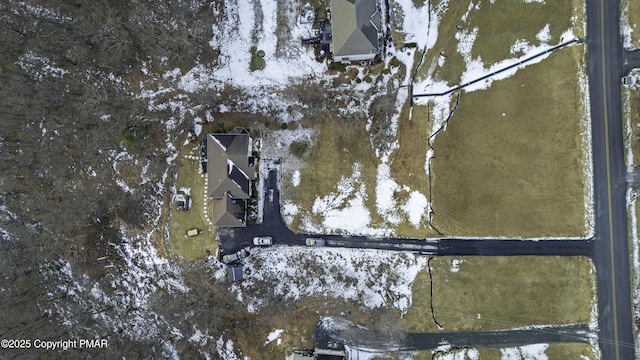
[204,244]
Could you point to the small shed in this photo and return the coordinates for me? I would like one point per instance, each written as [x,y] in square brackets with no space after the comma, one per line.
[235,272]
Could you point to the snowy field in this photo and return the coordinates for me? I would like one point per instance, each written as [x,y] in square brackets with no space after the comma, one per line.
[371,277]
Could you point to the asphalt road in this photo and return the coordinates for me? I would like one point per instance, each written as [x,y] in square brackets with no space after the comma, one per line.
[607,63]
[335,333]
[273,225]
[611,257]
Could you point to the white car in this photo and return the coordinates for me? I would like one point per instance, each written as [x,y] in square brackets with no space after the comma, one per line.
[315,242]
[263,240]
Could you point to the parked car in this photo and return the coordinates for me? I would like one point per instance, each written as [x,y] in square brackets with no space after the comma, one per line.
[193,232]
[183,202]
[240,254]
[243,253]
[315,242]
[230,258]
[263,240]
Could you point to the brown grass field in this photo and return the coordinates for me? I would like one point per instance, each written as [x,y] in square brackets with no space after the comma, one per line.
[494,293]
[517,174]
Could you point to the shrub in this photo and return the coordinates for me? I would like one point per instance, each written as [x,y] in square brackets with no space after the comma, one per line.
[257,60]
[133,138]
[298,148]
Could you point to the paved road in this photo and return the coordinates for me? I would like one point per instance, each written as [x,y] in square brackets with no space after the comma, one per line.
[630,60]
[611,257]
[498,339]
[234,239]
[335,333]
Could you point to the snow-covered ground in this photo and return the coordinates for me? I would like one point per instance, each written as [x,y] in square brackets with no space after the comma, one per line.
[374,278]
[127,294]
[527,352]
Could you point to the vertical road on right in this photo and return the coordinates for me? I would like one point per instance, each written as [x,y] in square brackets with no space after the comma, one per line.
[611,249]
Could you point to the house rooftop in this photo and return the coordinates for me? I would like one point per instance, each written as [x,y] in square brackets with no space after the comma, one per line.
[356,25]
[229,165]
[230,170]
[235,272]
[229,211]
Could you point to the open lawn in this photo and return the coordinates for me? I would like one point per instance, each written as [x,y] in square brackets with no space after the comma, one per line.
[194,248]
[511,161]
[553,352]
[337,149]
[493,293]
[407,163]
[500,25]
[633,15]
[341,171]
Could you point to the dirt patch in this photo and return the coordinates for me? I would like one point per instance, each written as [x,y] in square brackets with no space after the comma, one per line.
[298,321]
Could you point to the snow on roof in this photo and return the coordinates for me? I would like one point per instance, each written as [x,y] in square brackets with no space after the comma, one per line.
[224,148]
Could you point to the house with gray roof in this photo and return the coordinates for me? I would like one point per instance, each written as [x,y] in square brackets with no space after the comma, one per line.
[356,30]
[230,171]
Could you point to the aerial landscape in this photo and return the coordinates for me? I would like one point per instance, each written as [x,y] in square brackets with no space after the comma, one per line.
[320,179]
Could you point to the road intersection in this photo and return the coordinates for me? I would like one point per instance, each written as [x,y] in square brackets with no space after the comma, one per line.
[609,248]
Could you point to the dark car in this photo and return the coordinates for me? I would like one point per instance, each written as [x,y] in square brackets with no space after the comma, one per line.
[183,202]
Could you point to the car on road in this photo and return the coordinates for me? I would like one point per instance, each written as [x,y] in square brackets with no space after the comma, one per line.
[240,254]
[263,240]
[315,242]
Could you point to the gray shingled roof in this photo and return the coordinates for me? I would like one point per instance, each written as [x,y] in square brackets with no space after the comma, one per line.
[228,211]
[229,175]
[355,25]
[228,167]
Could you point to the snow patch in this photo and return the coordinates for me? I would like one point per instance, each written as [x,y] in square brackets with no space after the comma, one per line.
[373,277]
[527,352]
[295,179]
[274,335]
